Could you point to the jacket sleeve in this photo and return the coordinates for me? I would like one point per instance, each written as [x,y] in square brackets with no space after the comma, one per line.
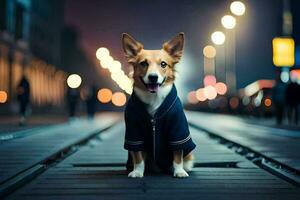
[134,140]
[179,134]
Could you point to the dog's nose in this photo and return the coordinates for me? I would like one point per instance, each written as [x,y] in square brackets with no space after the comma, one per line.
[152,78]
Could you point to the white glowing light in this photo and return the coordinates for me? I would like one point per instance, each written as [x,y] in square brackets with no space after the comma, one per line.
[107,62]
[74,81]
[238,8]
[218,38]
[102,53]
[228,21]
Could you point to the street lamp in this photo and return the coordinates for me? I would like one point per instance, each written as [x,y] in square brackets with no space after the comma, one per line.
[228,21]
[102,53]
[218,38]
[104,95]
[118,99]
[74,81]
[3,96]
[238,8]
[209,51]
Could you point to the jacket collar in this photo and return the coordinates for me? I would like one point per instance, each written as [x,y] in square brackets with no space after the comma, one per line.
[167,104]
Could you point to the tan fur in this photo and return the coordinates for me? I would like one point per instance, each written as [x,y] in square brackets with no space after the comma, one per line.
[154,58]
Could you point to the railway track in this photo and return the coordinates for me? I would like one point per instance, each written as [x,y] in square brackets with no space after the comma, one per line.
[266,163]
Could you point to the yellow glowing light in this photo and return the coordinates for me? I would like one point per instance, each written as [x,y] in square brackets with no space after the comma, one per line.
[210,92]
[102,53]
[209,51]
[228,21]
[221,88]
[200,94]
[74,81]
[238,8]
[283,52]
[218,38]
[119,99]
[3,96]
[104,95]
[192,99]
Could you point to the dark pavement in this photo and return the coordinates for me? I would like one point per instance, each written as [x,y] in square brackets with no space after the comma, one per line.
[10,124]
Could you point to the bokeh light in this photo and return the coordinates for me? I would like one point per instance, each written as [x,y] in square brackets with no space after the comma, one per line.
[228,21]
[104,95]
[3,96]
[115,69]
[107,62]
[102,53]
[221,88]
[238,8]
[218,38]
[283,52]
[119,99]
[285,76]
[246,100]
[268,102]
[200,95]
[192,99]
[74,81]
[210,92]
[234,102]
[209,51]
[209,80]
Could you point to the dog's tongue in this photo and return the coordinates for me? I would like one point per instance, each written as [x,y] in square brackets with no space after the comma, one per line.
[152,88]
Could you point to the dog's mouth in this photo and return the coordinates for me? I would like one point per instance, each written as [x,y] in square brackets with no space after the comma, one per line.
[152,87]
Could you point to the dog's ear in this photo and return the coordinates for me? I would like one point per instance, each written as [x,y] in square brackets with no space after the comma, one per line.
[174,47]
[131,47]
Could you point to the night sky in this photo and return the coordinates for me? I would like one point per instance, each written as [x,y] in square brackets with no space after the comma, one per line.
[152,22]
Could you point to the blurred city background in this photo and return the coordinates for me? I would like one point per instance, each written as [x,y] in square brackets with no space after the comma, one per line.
[228,66]
[64,83]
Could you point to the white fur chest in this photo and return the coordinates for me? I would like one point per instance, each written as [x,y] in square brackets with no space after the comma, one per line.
[153,100]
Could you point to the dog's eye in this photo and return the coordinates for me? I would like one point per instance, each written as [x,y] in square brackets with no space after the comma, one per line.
[163,64]
[144,64]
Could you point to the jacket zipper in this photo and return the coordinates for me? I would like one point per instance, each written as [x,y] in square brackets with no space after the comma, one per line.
[153,132]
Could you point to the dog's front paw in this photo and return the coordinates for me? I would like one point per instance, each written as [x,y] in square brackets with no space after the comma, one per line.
[180,173]
[136,174]
[188,165]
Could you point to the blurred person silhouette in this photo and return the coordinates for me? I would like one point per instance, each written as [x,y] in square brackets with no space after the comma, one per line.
[72,101]
[292,100]
[23,97]
[278,97]
[90,98]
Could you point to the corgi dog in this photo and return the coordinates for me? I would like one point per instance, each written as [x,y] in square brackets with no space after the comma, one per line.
[156,127]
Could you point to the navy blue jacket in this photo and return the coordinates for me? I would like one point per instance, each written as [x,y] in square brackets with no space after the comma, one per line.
[159,135]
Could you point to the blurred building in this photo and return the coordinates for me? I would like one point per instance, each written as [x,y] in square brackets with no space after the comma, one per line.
[75,59]
[30,44]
